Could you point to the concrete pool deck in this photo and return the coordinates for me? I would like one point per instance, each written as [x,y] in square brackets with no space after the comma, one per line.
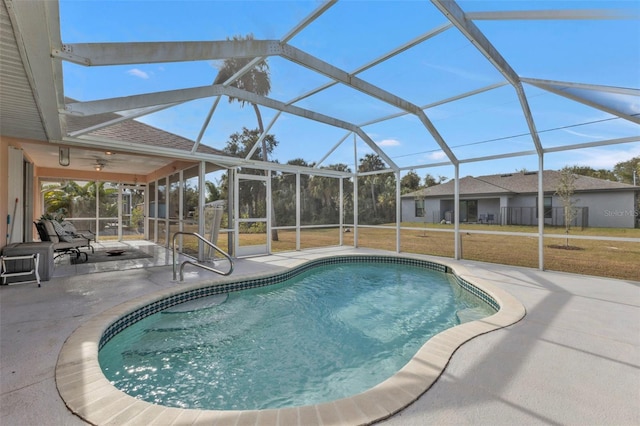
[574,359]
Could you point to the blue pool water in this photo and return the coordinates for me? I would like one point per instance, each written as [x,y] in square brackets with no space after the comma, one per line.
[329,333]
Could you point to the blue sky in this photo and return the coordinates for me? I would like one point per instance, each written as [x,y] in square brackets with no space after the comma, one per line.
[353,33]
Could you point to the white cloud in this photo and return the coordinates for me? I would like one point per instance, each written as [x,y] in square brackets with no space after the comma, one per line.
[599,158]
[437,155]
[466,73]
[585,135]
[138,73]
[389,142]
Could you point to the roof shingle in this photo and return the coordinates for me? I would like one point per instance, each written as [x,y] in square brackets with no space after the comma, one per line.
[518,183]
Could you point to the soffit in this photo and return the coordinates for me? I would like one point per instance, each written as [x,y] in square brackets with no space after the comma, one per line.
[19,115]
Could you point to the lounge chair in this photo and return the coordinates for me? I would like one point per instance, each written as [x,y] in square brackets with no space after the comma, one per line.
[63,243]
[85,233]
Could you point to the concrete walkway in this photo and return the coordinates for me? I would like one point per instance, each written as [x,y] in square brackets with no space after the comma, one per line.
[574,359]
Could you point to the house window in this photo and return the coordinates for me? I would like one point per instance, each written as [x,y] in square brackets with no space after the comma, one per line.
[548,210]
[419,208]
[469,211]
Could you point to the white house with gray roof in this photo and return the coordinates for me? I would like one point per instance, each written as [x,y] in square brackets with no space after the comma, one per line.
[511,199]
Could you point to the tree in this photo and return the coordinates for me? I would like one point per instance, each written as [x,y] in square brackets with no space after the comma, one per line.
[624,171]
[565,189]
[589,171]
[257,80]
[410,182]
[429,180]
[370,163]
[239,145]
[213,193]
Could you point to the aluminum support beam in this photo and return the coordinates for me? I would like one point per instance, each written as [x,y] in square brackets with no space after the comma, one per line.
[398,211]
[124,117]
[548,15]
[331,150]
[129,53]
[262,136]
[315,64]
[139,101]
[540,212]
[456,213]
[223,161]
[100,54]
[436,135]
[183,95]
[377,61]
[594,87]
[375,148]
[593,144]
[306,60]
[308,20]
[453,12]
[552,86]
[207,120]
[437,103]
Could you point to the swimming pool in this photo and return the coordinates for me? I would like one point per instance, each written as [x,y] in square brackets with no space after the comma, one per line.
[87,392]
[328,333]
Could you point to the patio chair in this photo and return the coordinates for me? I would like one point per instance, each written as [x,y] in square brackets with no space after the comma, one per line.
[85,233]
[62,243]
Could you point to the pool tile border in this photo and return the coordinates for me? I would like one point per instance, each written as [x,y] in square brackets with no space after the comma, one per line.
[94,399]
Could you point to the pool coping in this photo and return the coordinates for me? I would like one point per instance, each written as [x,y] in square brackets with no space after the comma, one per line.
[88,394]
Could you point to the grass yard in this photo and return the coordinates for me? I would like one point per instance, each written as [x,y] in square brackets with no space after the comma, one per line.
[614,259]
[596,257]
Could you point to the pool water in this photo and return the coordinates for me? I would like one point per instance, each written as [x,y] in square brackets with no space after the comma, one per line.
[329,333]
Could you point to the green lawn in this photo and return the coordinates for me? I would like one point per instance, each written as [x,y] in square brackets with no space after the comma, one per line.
[591,257]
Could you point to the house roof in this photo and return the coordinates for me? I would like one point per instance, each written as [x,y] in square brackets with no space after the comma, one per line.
[134,131]
[518,183]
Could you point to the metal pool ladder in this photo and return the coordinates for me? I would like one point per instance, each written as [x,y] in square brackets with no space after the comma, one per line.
[196,263]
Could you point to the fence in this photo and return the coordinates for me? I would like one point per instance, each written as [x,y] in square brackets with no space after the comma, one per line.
[528,216]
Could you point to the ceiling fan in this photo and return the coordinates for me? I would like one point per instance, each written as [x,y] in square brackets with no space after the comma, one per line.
[99,164]
[99,161]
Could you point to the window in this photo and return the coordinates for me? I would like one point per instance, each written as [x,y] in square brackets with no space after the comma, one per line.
[548,210]
[419,208]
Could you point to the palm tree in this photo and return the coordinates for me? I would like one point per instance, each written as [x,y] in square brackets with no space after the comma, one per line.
[62,198]
[369,163]
[258,81]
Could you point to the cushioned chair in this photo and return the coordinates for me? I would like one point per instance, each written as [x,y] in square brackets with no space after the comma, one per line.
[62,243]
[70,228]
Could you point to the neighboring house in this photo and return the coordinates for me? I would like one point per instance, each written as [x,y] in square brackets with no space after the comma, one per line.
[511,199]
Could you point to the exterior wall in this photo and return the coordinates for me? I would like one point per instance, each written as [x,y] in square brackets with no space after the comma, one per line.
[524,201]
[489,206]
[408,210]
[432,208]
[606,209]
[610,209]
[4,188]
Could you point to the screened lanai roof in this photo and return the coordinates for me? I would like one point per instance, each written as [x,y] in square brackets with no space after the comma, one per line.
[423,84]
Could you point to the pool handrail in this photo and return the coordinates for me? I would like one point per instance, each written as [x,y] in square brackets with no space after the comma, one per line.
[196,263]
